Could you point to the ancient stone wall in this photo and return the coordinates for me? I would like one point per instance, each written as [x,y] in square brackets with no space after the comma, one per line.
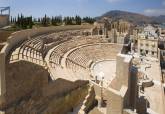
[66,103]
[23,78]
[115,101]
[1,46]
[89,101]
[2,80]
[123,74]
[123,64]
[133,87]
[60,87]
[4,34]
[54,104]
[29,90]
[4,20]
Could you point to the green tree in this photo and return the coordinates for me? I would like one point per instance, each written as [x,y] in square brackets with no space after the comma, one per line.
[18,21]
[44,21]
[78,20]
[54,21]
[88,20]
[11,20]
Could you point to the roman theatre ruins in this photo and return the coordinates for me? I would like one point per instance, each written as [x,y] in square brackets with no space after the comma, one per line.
[57,70]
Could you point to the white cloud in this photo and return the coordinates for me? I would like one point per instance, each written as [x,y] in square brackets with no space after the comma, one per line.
[154,12]
[163,2]
[112,1]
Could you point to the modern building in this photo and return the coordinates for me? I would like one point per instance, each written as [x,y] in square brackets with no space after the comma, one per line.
[148,42]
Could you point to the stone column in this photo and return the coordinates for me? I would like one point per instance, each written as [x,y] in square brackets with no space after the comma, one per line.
[98,32]
[98,93]
[133,87]
[114,101]
[100,101]
[2,79]
[102,31]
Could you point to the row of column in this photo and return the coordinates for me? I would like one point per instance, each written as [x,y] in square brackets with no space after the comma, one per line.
[101,31]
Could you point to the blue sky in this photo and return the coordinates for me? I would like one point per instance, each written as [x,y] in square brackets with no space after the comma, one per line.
[91,8]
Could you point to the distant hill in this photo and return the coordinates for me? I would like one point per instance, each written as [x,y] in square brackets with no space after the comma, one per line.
[159,19]
[132,17]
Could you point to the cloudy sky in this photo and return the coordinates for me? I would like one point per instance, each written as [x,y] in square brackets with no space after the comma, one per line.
[92,8]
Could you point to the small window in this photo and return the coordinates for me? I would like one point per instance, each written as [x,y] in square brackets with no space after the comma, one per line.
[141,52]
[146,51]
[163,53]
[153,52]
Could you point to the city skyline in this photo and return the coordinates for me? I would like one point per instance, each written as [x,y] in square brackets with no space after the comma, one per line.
[83,7]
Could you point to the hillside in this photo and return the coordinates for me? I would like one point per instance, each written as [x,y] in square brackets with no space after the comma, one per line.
[132,17]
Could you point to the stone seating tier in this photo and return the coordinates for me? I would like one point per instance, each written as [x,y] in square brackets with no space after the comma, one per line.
[62,48]
[83,55]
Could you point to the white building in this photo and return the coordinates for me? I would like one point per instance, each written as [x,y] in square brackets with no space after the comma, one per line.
[148,42]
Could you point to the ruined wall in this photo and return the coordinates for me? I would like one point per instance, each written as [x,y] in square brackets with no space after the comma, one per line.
[116,99]
[123,75]
[66,103]
[4,34]
[89,101]
[2,80]
[133,87]
[120,93]
[28,91]
[123,65]
[4,20]
[53,104]
[60,87]
[23,78]
[1,46]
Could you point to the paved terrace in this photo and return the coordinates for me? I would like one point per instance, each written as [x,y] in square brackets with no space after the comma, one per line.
[154,93]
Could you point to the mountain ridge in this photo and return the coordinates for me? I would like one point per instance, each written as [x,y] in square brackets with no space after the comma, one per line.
[134,18]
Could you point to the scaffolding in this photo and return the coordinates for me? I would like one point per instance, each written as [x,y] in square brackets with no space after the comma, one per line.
[4,9]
